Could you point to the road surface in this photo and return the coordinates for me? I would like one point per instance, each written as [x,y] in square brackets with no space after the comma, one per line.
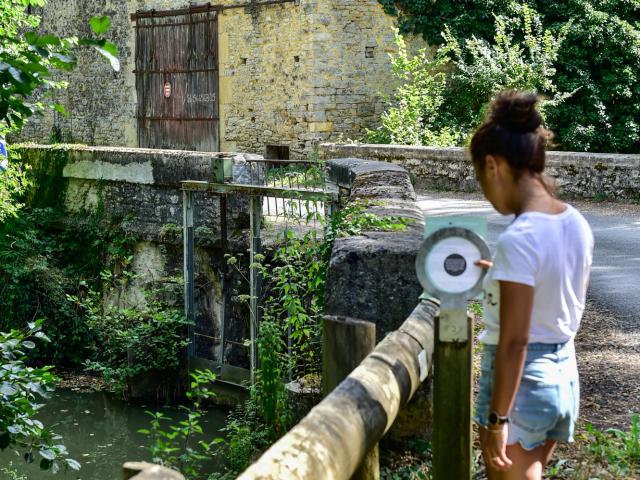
[615,278]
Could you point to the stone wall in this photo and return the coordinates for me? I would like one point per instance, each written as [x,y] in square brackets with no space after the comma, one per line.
[581,175]
[141,186]
[293,74]
[140,190]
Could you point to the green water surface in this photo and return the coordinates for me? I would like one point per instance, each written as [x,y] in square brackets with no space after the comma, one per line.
[100,431]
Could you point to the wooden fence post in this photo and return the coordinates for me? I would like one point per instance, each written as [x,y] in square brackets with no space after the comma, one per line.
[452,404]
[346,343]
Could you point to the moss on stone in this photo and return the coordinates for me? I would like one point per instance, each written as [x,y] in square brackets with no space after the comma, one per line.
[48,184]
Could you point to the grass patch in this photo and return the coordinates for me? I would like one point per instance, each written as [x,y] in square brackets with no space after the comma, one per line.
[608,454]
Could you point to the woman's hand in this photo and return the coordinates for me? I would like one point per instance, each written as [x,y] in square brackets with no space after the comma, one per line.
[495,447]
[486,264]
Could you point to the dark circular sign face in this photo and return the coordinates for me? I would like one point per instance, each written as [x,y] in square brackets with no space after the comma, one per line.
[455,265]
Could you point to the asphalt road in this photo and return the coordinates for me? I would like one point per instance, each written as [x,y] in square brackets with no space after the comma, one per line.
[615,278]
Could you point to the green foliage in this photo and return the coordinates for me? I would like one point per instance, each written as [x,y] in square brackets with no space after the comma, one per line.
[14,182]
[29,60]
[416,115]
[43,259]
[354,219]
[295,176]
[270,393]
[48,186]
[443,99]
[245,438]
[22,389]
[179,447]
[599,57]
[294,286]
[129,341]
[616,449]
[290,330]
[288,340]
[482,69]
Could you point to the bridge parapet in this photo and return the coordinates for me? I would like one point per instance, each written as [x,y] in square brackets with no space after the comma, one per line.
[371,277]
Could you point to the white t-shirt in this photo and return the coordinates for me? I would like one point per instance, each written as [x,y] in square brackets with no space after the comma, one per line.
[552,254]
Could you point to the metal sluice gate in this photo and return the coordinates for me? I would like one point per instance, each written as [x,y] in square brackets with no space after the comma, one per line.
[282,195]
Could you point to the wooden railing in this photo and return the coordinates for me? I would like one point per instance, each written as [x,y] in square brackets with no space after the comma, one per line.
[332,441]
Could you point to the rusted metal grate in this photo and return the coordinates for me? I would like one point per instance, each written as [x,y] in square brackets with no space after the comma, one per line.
[177,79]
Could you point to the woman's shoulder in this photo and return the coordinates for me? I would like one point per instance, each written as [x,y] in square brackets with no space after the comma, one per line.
[522,229]
[536,229]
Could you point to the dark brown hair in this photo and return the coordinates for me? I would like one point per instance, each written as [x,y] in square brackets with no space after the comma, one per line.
[513,130]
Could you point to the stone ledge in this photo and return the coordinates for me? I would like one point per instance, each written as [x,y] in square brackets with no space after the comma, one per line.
[134,165]
[337,150]
[372,277]
[577,174]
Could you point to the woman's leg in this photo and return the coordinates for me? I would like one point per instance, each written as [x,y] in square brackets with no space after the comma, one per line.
[527,464]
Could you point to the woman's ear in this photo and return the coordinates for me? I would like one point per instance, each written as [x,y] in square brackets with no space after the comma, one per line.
[491,166]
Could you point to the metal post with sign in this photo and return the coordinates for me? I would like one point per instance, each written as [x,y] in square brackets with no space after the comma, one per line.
[446,270]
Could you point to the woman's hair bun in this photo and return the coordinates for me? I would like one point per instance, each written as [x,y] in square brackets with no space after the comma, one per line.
[516,111]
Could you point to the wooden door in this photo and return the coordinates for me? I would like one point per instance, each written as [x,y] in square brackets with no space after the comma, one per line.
[177,79]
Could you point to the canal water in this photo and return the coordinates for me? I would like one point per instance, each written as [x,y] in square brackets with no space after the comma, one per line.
[101,432]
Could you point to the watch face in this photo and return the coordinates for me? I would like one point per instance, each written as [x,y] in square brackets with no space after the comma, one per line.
[493,418]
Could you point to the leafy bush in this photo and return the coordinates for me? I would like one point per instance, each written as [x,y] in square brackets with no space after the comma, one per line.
[600,57]
[28,60]
[270,392]
[128,341]
[44,258]
[444,99]
[22,389]
[616,449]
[416,117]
[14,182]
[178,446]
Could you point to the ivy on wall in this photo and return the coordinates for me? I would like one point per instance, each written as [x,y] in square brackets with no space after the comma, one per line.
[600,57]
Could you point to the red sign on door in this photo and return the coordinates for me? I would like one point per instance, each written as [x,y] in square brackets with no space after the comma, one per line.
[167,89]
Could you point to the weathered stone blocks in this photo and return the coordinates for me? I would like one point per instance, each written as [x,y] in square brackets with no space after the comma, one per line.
[576,174]
[372,276]
[277,63]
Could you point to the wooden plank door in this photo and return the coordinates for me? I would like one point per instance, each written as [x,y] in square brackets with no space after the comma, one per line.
[177,79]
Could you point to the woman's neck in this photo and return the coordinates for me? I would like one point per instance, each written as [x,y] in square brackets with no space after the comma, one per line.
[531,195]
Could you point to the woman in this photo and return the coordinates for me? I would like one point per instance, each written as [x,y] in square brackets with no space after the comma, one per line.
[534,297]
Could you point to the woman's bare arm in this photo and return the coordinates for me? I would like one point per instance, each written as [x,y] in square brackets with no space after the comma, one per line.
[516,303]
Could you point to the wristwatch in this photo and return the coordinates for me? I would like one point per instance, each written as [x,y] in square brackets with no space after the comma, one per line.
[495,419]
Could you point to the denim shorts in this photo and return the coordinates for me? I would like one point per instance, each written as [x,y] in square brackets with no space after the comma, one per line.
[546,405]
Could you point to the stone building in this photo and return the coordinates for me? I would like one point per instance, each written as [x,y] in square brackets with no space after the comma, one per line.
[271,77]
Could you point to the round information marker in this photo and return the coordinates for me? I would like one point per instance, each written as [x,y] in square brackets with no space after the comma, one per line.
[446,263]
